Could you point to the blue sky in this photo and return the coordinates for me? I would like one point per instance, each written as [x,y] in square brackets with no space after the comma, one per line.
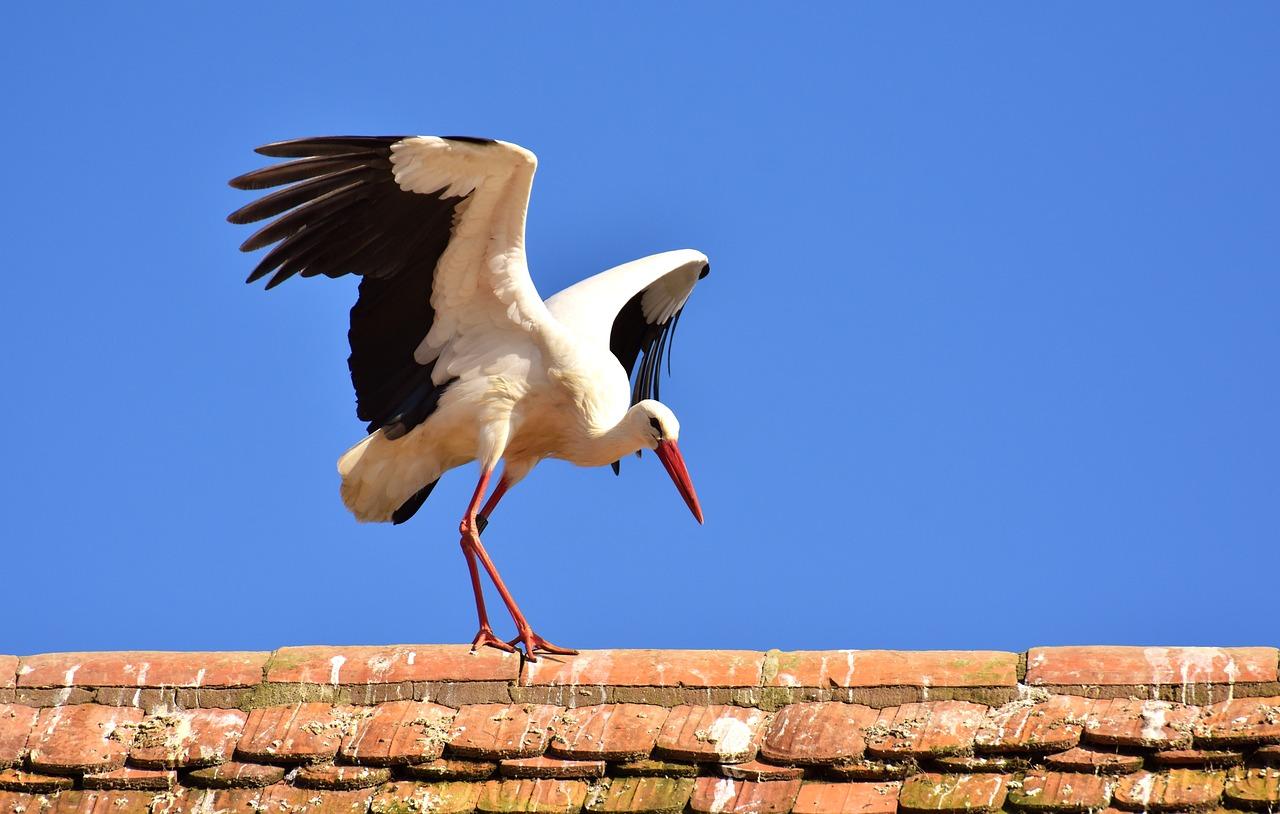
[988,357]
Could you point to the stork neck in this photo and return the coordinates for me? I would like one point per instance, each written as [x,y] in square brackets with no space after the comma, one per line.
[615,443]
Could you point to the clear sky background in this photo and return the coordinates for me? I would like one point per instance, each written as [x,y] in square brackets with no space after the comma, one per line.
[989,356]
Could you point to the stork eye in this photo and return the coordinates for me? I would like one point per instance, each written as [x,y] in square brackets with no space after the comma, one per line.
[657,425]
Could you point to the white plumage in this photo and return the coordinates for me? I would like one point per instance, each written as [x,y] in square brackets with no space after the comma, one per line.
[455,356]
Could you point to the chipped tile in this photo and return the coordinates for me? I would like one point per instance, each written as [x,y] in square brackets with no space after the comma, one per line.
[813,734]
[1045,724]
[16,723]
[1101,761]
[234,775]
[187,738]
[81,738]
[931,728]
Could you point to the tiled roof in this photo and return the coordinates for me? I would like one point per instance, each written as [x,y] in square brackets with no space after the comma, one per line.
[438,730]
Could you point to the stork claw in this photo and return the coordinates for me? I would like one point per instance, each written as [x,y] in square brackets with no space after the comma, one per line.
[535,644]
[487,637]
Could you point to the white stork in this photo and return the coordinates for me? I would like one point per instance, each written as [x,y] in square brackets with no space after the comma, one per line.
[454,355]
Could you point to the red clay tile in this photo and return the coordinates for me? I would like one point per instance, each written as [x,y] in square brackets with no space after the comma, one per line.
[1197,758]
[16,722]
[391,665]
[399,732]
[101,801]
[607,731]
[285,798]
[496,731]
[813,734]
[759,770]
[529,796]
[211,801]
[81,738]
[17,802]
[344,778]
[648,668]
[1083,759]
[931,728]
[1256,789]
[234,775]
[1048,725]
[1061,791]
[132,779]
[871,769]
[1187,666]
[712,795]
[428,798]
[299,733]
[1149,724]
[980,764]
[653,768]
[847,798]
[642,795]
[8,672]
[895,668]
[953,792]
[187,738]
[1243,721]
[721,734]
[32,782]
[446,769]
[542,766]
[142,669]
[1176,790]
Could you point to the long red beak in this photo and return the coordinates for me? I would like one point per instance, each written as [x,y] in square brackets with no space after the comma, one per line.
[671,458]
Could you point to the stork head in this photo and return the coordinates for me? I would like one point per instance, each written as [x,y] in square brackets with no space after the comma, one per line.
[656,428]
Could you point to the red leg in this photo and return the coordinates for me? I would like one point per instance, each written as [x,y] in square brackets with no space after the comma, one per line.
[473,549]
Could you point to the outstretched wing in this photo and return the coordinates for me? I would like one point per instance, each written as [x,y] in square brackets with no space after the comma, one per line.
[633,309]
[433,226]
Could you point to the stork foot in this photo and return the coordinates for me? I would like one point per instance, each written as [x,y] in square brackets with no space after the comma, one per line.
[535,644]
[486,637]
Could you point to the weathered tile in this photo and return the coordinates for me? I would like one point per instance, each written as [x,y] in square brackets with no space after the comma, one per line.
[607,731]
[953,792]
[648,668]
[285,798]
[450,769]
[187,738]
[542,766]
[391,664]
[642,795]
[404,797]
[142,669]
[81,738]
[980,764]
[16,723]
[210,801]
[760,771]
[1099,761]
[1123,666]
[1148,724]
[813,734]
[17,802]
[1061,791]
[1197,758]
[932,728]
[864,769]
[130,779]
[723,795]
[653,768]
[342,778]
[1045,724]
[33,782]
[298,733]
[1175,790]
[721,734]
[101,801]
[496,731]
[1255,789]
[818,797]
[234,775]
[530,796]
[398,733]
[1241,722]
[895,668]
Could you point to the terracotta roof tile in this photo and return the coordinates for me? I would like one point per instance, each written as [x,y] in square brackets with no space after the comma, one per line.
[495,731]
[608,731]
[399,732]
[211,801]
[451,769]
[141,669]
[1102,761]
[1197,758]
[16,802]
[760,770]
[329,776]
[723,795]
[818,797]
[1257,789]
[953,792]
[298,733]
[931,728]
[1239,722]
[654,768]
[390,665]
[1154,724]
[812,734]
[543,766]
[16,723]
[865,769]
[187,738]
[132,779]
[32,782]
[980,764]
[81,738]
[1176,790]
[1060,791]
[8,672]
[101,802]
[1050,723]
[893,668]
[718,733]
[648,668]
[642,795]
[529,796]
[234,775]
[293,800]
[1137,666]
[429,798]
